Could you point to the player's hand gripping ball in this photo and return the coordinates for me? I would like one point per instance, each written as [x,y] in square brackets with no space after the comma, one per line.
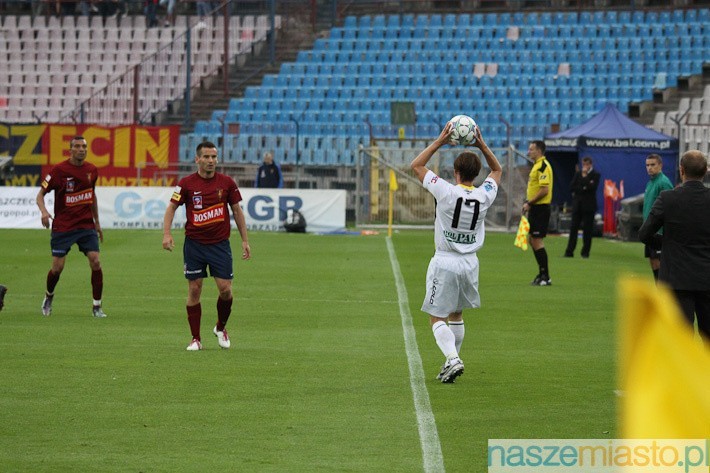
[464,130]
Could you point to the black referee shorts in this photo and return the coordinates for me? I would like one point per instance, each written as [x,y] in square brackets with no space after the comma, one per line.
[539,218]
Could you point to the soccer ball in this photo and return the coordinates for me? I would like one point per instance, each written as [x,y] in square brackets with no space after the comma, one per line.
[464,130]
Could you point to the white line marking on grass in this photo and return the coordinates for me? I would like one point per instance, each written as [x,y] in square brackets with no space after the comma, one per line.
[428,435]
[132,297]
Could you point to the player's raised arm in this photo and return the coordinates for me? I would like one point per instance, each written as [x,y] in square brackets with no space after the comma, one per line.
[496,170]
[420,162]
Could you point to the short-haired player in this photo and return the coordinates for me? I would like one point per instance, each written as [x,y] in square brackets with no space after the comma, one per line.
[207,196]
[75,220]
[459,232]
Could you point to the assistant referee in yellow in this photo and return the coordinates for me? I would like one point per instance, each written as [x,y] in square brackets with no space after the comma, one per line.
[537,208]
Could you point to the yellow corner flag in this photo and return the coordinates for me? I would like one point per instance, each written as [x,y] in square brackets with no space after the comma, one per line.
[521,238]
[664,372]
[390,211]
[393,181]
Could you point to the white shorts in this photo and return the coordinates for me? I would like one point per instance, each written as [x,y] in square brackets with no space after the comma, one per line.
[451,284]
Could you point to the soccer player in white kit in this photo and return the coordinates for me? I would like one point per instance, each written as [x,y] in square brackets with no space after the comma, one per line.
[459,231]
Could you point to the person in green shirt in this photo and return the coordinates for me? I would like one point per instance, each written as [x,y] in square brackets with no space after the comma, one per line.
[657,183]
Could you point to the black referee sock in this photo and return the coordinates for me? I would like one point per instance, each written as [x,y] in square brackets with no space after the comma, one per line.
[541,258]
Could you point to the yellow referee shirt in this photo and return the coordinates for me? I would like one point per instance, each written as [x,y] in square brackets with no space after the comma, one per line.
[540,176]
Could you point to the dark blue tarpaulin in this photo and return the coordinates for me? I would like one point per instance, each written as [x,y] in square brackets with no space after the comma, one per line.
[617,145]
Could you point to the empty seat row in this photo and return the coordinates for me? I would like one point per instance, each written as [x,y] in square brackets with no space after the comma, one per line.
[423,21]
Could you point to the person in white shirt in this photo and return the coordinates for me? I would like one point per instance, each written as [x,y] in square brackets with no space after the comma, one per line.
[459,232]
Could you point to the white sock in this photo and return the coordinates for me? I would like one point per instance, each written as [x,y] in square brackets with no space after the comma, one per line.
[458,329]
[445,339]
[97,303]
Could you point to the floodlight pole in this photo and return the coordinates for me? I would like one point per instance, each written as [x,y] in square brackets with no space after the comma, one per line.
[509,173]
[358,185]
[272,31]
[298,153]
[188,77]
[677,164]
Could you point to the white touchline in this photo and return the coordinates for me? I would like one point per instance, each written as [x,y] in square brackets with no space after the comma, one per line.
[428,435]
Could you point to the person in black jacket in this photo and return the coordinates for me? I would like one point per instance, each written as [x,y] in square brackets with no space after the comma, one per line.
[584,206]
[685,260]
[269,173]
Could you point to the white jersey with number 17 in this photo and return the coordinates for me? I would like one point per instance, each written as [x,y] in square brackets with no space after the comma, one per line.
[460,213]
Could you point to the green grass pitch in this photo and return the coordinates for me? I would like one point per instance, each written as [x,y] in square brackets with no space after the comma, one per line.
[317,377]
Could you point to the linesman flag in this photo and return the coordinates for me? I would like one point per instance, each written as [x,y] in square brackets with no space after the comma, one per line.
[521,238]
[663,369]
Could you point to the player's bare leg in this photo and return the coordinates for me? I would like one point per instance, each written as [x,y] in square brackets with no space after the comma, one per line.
[194,312]
[97,283]
[52,280]
[224,310]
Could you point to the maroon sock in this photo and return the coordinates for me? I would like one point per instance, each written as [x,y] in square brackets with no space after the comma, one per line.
[97,283]
[52,280]
[194,315]
[224,309]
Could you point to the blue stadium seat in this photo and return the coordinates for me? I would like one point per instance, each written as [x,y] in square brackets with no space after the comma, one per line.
[421,22]
[378,22]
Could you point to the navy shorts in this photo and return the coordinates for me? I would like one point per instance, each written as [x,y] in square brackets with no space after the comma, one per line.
[198,256]
[539,218]
[61,242]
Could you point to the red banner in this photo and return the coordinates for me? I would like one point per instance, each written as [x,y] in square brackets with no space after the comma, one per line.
[126,155]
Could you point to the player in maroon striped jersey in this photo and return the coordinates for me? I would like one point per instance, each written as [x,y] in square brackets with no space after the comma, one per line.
[76,219]
[207,196]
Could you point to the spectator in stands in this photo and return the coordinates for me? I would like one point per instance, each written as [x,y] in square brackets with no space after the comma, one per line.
[66,7]
[204,7]
[269,174]
[112,8]
[170,13]
[537,207]
[584,206]
[39,8]
[151,13]
[685,262]
[657,184]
